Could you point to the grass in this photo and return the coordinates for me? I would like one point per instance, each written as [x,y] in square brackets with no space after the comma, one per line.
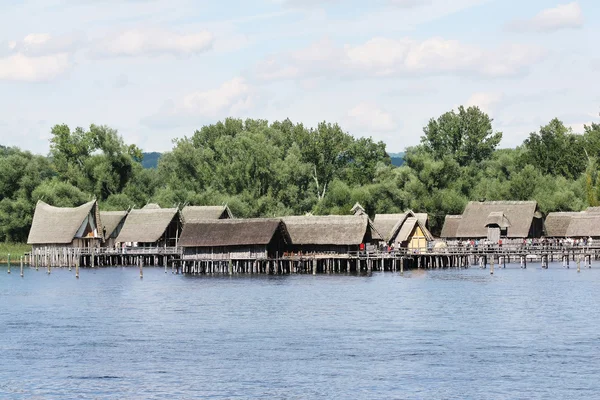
[16,250]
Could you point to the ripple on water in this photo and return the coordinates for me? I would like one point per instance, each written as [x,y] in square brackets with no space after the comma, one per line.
[430,334]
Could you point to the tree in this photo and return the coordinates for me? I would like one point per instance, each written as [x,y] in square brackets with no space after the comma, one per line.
[97,161]
[556,150]
[467,136]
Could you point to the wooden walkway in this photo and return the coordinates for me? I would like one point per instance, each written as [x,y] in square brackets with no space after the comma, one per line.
[354,262]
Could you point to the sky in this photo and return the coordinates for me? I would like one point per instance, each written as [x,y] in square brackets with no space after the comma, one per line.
[157,70]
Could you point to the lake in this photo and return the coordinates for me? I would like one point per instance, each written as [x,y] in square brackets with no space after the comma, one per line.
[452,334]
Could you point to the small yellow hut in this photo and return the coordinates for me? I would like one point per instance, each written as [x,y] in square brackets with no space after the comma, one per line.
[408,230]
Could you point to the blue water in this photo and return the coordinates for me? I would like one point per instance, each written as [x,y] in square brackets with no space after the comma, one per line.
[452,334]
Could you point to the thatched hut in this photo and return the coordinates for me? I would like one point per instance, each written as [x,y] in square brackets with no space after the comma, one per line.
[557,223]
[499,219]
[151,226]
[234,239]
[407,230]
[191,213]
[112,222]
[77,227]
[451,223]
[330,234]
[583,225]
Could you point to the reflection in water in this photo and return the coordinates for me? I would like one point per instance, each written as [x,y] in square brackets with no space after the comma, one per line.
[528,333]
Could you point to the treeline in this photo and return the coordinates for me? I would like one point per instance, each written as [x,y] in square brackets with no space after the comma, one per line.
[281,168]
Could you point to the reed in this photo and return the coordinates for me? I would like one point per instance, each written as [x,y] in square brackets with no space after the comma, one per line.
[16,250]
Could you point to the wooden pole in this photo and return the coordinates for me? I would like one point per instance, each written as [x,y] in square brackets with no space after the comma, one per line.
[8,259]
[492,266]
[141,268]
[21,266]
[77,268]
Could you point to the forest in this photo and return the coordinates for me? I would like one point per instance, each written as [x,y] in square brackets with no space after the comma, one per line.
[265,169]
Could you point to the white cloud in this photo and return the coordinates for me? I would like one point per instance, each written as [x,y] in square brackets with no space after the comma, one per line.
[21,67]
[564,16]
[382,57]
[304,3]
[141,42]
[486,101]
[229,99]
[367,117]
[232,98]
[42,44]
[36,39]
[409,3]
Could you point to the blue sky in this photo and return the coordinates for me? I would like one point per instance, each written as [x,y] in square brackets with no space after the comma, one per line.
[159,69]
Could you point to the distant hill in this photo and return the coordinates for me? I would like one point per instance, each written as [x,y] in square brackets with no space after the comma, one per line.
[150,160]
[397,159]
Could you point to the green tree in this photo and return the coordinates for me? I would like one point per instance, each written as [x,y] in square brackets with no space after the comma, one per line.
[466,135]
[556,150]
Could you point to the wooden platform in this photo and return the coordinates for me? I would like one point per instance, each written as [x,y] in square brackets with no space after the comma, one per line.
[288,263]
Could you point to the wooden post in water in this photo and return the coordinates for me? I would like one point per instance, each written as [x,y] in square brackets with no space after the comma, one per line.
[8,260]
[21,266]
[314,266]
[402,266]
[578,262]
[141,268]
[492,266]
[77,268]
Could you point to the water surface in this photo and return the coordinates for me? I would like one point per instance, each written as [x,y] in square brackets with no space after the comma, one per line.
[454,334]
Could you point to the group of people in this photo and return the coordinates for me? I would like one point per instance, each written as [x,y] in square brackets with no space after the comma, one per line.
[529,242]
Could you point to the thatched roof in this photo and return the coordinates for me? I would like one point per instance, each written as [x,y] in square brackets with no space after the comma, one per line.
[476,214]
[110,221]
[146,225]
[358,209]
[231,232]
[151,206]
[407,228]
[584,225]
[342,230]
[388,225]
[557,223]
[497,218]
[451,223]
[190,213]
[59,225]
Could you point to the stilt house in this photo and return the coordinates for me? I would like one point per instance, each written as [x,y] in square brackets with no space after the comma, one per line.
[234,239]
[330,234]
[191,213]
[77,227]
[451,223]
[494,220]
[584,225]
[151,226]
[407,230]
[112,222]
[557,223]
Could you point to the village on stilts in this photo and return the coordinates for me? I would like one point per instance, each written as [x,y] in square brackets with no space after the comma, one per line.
[209,240]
